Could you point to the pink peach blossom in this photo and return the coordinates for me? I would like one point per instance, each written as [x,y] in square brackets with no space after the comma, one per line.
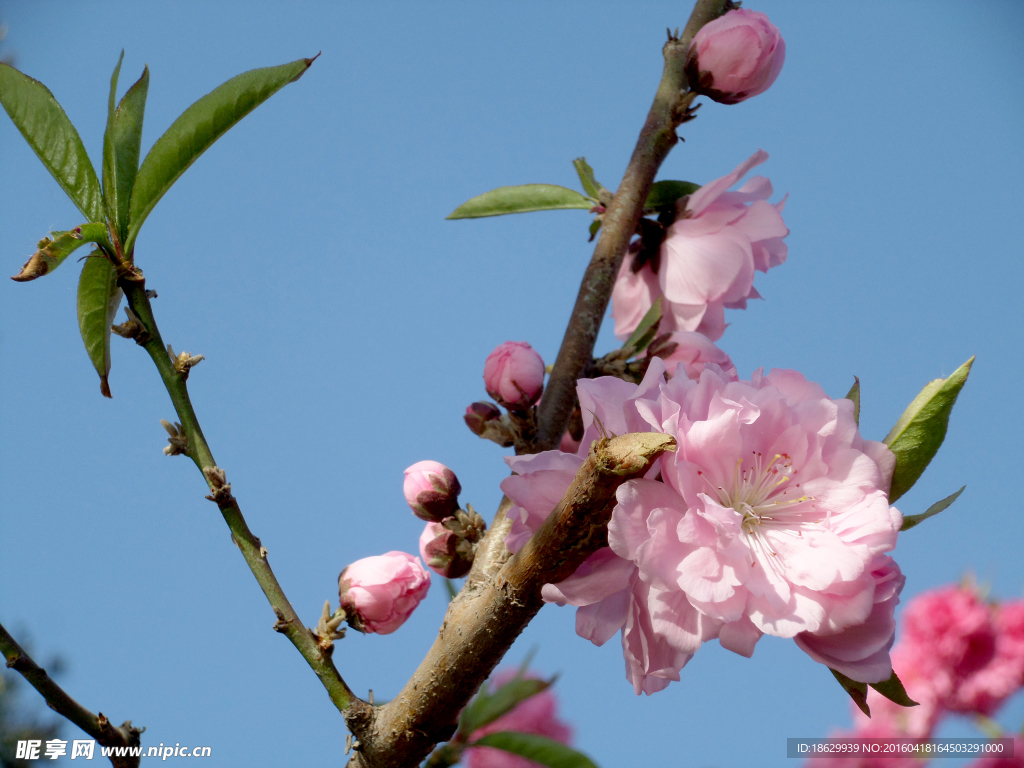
[537,714]
[984,691]
[708,258]
[379,593]
[514,374]
[771,513]
[736,56]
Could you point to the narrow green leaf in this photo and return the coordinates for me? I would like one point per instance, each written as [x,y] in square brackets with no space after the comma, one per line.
[858,691]
[197,128]
[917,435]
[894,691]
[650,321]
[98,299]
[665,193]
[595,225]
[590,185]
[109,184]
[452,591]
[909,521]
[53,138]
[521,199]
[126,140]
[854,395]
[540,749]
[50,254]
[485,710]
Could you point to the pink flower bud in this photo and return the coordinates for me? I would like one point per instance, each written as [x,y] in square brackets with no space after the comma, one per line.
[514,375]
[439,548]
[431,490]
[379,593]
[736,56]
[478,414]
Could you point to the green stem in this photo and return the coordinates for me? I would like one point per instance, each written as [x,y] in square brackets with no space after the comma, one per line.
[288,622]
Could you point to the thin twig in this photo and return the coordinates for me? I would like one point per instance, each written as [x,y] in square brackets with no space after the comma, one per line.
[60,702]
[288,622]
[619,223]
[486,617]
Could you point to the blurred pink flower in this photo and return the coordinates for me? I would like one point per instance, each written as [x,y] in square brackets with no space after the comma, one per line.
[708,258]
[953,636]
[514,374]
[771,513]
[379,593]
[537,714]
[736,56]
[985,690]
[431,490]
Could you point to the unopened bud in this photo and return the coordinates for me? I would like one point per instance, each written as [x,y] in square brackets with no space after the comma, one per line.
[379,593]
[736,56]
[448,547]
[514,375]
[478,414]
[431,490]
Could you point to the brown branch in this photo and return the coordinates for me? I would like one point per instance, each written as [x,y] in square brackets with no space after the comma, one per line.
[498,601]
[60,702]
[620,222]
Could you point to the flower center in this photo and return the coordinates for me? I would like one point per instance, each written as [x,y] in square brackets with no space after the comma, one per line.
[765,494]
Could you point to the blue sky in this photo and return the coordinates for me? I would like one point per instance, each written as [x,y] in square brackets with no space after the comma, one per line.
[345,324]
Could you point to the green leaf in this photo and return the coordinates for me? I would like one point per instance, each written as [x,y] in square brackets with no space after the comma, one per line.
[590,185]
[98,299]
[909,521]
[121,146]
[108,144]
[595,225]
[854,395]
[894,691]
[858,691]
[488,707]
[521,199]
[917,435]
[664,194]
[647,328]
[197,128]
[53,138]
[50,254]
[540,749]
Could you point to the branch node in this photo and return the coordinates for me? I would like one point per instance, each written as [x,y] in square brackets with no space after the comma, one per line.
[281,625]
[184,362]
[177,439]
[220,488]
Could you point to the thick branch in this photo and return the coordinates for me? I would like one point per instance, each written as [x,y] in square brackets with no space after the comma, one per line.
[620,221]
[288,622]
[486,617]
[60,702]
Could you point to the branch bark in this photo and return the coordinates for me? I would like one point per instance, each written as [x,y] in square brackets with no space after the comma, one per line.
[657,138]
[498,601]
[60,702]
[317,653]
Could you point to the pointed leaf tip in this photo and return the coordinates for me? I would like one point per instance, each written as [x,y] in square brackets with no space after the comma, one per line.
[197,128]
[910,521]
[857,691]
[854,395]
[894,691]
[524,198]
[919,432]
